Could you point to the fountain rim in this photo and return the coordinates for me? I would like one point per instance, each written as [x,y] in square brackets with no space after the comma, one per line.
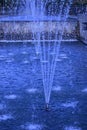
[30,41]
[35,19]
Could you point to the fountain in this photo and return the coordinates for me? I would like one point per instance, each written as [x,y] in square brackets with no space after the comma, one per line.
[47,45]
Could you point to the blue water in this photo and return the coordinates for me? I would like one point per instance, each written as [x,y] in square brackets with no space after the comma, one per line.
[22,102]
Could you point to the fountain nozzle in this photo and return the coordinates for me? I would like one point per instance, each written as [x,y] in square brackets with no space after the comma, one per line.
[47,107]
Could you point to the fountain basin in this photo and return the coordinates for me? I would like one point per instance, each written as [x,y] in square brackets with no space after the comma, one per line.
[29,108]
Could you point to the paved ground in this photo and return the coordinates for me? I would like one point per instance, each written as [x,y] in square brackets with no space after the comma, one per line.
[22,105]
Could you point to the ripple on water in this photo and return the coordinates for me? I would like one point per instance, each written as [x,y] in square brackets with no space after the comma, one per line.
[64,56]
[58,60]
[2,57]
[31,90]
[70,104]
[84,90]
[5,117]
[32,126]
[11,96]
[57,88]
[25,61]
[24,52]
[72,128]
[2,106]
[10,53]
[9,60]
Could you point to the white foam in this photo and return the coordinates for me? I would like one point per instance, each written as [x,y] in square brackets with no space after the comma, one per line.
[72,128]
[58,88]
[70,104]
[84,90]
[11,96]
[32,90]
[5,117]
[32,126]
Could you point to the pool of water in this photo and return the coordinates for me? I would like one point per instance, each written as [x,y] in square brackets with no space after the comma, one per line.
[22,102]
